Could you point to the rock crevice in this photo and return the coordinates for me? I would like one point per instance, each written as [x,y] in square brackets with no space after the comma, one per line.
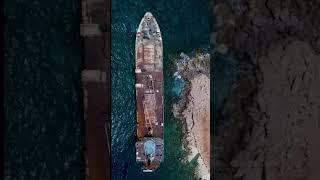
[268,125]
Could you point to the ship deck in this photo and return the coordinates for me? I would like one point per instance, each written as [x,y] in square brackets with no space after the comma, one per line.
[157,103]
[149,94]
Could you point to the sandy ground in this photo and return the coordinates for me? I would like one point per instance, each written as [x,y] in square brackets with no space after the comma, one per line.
[197,117]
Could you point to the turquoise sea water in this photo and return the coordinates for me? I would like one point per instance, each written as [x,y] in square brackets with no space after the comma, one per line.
[185,26]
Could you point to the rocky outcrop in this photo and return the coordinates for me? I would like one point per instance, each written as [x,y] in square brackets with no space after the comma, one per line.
[268,126]
[282,142]
[194,109]
[250,26]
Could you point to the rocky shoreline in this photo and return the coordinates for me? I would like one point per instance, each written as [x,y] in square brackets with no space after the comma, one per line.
[267,126]
[194,109]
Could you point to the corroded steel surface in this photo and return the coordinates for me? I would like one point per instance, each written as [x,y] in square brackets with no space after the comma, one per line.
[96,42]
[149,94]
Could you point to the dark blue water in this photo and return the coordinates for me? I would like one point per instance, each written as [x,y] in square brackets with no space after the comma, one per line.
[185,27]
[42,102]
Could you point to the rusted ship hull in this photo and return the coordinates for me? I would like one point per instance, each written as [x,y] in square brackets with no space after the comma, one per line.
[149,94]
